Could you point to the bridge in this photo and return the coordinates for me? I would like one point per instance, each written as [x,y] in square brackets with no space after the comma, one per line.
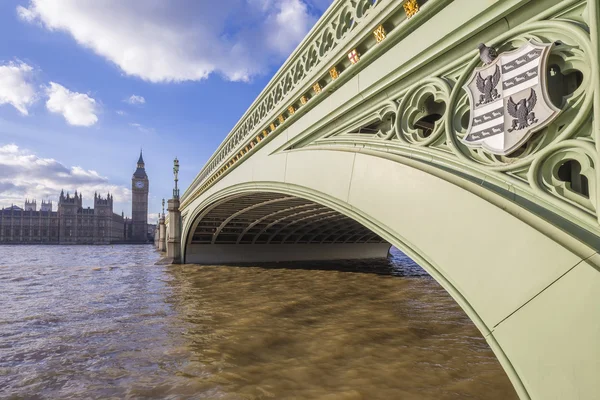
[389,125]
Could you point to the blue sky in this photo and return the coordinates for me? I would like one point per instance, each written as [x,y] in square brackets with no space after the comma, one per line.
[85,83]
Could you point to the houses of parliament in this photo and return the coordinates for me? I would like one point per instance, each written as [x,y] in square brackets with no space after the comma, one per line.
[71,223]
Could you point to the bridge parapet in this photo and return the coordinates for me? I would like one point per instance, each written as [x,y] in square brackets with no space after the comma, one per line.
[344,40]
[417,107]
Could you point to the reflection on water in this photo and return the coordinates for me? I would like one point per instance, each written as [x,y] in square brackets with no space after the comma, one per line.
[102,322]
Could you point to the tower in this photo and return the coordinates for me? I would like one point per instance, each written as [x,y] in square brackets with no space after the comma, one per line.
[139,202]
[30,205]
[68,214]
[46,206]
[103,211]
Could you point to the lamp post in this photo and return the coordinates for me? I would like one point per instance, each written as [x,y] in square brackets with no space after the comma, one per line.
[176,173]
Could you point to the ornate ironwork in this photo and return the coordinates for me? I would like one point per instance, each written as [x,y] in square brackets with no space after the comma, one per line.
[430,120]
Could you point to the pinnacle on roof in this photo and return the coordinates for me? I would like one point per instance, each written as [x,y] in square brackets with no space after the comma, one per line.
[141,159]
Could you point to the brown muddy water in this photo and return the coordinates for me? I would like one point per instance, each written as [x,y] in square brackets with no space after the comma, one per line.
[101,322]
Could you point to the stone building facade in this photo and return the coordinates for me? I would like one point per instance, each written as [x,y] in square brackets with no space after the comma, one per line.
[20,226]
[71,223]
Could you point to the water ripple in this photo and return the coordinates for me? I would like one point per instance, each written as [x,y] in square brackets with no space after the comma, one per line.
[105,322]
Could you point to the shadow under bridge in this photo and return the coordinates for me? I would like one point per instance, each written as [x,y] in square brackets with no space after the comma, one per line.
[259,227]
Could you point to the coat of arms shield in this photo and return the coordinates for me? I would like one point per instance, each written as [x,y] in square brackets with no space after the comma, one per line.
[509,99]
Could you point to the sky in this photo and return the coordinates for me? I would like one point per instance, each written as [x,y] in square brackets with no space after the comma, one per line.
[86,84]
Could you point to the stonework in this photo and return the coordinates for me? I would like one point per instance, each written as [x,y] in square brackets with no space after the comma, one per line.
[70,224]
[139,203]
[74,224]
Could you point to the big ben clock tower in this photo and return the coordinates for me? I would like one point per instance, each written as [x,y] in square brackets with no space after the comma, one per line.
[139,202]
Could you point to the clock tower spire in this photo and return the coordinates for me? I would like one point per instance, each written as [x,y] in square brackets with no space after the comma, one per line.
[139,202]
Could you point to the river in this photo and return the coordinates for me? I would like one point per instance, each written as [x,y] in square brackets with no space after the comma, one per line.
[101,322]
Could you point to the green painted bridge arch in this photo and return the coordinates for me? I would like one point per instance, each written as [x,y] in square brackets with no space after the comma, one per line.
[363,140]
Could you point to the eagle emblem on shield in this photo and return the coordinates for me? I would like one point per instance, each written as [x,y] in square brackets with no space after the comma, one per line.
[509,99]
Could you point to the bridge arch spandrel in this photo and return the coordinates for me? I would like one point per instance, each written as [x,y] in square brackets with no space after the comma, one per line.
[518,277]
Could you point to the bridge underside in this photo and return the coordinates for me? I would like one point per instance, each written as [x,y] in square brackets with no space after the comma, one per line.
[276,227]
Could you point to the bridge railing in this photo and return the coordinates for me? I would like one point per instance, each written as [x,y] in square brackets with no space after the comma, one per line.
[342,42]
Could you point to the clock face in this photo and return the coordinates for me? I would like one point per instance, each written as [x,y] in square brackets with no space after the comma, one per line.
[139,184]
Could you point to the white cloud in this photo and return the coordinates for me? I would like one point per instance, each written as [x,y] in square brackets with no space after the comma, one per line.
[291,19]
[16,86]
[121,112]
[25,175]
[25,14]
[184,40]
[135,99]
[78,108]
